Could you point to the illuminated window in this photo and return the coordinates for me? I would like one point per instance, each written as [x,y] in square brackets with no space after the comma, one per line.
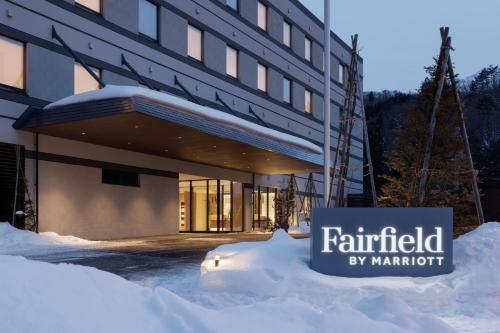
[308,49]
[232,62]
[287,34]
[308,102]
[94,5]
[11,63]
[287,91]
[261,15]
[148,19]
[261,77]
[84,81]
[195,43]
[233,4]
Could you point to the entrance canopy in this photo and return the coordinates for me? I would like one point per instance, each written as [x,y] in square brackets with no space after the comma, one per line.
[152,122]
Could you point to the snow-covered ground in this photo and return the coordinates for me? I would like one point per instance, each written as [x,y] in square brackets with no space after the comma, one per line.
[258,286]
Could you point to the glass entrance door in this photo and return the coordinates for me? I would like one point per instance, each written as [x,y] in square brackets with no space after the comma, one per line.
[210,205]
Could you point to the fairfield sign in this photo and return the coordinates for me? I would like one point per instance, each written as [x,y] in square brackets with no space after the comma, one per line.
[362,242]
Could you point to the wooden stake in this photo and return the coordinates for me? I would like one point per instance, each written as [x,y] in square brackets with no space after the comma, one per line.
[475,188]
[444,57]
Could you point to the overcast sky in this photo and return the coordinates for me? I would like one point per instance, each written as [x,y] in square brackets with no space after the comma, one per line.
[399,37]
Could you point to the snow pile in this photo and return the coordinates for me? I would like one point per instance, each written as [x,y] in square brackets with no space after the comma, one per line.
[468,299]
[111,91]
[258,286]
[14,240]
[303,228]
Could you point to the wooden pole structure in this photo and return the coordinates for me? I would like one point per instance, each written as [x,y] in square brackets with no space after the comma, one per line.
[463,130]
[326,105]
[367,145]
[443,63]
[344,120]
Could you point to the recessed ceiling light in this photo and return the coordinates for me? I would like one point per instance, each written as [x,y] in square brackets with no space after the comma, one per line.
[129,143]
[243,153]
[179,137]
[84,133]
[136,126]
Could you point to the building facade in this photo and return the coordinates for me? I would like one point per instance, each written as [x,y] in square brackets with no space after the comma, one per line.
[130,168]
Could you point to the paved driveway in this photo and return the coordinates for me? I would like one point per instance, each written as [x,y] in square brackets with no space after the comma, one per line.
[142,258]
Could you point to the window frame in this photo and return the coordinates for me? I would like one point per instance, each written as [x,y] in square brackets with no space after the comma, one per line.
[237,9]
[310,93]
[260,3]
[259,65]
[308,55]
[202,42]
[99,74]
[80,5]
[286,23]
[341,78]
[119,174]
[290,91]
[237,77]
[157,39]
[24,66]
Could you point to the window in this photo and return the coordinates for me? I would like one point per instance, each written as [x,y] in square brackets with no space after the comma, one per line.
[94,5]
[148,19]
[261,15]
[233,4]
[308,102]
[11,63]
[287,34]
[118,177]
[308,49]
[232,62]
[287,91]
[84,81]
[342,73]
[261,77]
[195,43]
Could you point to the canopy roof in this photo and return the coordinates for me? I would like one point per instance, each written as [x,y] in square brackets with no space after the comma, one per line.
[157,123]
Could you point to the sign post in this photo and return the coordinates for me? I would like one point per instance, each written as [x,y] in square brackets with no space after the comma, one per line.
[367,242]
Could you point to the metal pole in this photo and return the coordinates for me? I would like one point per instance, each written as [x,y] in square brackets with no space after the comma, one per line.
[326,106]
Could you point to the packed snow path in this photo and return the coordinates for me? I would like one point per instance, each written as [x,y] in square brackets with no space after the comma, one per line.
[258,286]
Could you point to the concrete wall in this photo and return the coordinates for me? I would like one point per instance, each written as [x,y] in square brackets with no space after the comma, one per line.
[73,201]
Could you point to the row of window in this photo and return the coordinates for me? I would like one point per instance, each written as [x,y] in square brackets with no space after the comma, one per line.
[12,65]
[148,26]
[12,68]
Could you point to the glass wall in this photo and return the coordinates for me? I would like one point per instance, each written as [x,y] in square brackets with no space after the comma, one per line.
[264,211]
[199,205]
[211,205]
[184,202]
[238,206]
[213,208]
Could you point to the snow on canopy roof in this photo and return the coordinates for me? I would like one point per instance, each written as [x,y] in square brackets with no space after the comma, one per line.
[111,91]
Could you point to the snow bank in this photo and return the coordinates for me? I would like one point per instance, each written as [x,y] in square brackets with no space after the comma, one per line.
[303,228]
[111,91]
[12,239]
[468,299]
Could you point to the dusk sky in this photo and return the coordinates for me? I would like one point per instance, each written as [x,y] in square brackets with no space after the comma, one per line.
[399,37]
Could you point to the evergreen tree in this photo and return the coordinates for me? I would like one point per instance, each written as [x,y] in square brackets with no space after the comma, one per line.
[449,183]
